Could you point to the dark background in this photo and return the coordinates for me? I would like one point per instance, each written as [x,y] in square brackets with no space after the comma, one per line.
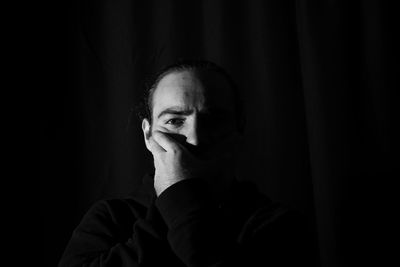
[318,79]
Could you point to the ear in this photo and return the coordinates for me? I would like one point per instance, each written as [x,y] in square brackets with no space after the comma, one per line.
[146,132]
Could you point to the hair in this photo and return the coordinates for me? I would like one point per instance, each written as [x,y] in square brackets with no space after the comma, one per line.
[144,110]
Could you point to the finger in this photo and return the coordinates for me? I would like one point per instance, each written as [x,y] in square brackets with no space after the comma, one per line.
[155,147]
[165,141]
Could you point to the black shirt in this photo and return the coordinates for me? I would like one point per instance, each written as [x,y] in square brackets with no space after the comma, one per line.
[185,227]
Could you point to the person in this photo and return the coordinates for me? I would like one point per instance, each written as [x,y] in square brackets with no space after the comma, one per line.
[191,210]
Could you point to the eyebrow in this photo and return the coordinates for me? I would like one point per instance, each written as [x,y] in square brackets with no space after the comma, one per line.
[185,112]
[175,111]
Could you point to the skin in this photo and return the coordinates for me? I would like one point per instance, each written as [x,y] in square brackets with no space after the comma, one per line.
[193,132]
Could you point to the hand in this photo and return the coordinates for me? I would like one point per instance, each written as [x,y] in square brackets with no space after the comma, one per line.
[172,161]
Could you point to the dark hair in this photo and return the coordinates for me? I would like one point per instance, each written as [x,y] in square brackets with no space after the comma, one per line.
[144,110]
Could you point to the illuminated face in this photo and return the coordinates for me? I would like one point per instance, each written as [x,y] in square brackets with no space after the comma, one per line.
[195,108]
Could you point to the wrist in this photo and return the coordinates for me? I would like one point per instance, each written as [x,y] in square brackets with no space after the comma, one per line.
[160,185]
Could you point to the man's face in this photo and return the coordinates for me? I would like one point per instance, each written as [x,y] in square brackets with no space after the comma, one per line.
[195,109]
[193,131]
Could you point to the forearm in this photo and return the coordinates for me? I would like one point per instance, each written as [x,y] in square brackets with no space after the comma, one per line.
[109,235]
[200,235]
[121,254]
[197,232]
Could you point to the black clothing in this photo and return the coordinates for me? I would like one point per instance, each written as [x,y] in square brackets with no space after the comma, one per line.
[185,227]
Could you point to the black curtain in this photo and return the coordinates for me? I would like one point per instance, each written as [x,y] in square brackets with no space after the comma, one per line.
[318,79]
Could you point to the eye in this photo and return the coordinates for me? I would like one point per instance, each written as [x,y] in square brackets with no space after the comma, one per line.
[176,122]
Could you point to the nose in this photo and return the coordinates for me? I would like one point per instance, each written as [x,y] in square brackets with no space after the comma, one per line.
[195,134]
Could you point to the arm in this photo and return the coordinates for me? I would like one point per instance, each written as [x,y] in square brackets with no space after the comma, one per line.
[198,233]
[105,237]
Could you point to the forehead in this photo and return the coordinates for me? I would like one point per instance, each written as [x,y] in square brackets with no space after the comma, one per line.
[189,89]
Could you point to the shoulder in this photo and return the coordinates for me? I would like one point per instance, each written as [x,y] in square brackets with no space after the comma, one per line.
[276,216]
[281,232]
[268,217]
